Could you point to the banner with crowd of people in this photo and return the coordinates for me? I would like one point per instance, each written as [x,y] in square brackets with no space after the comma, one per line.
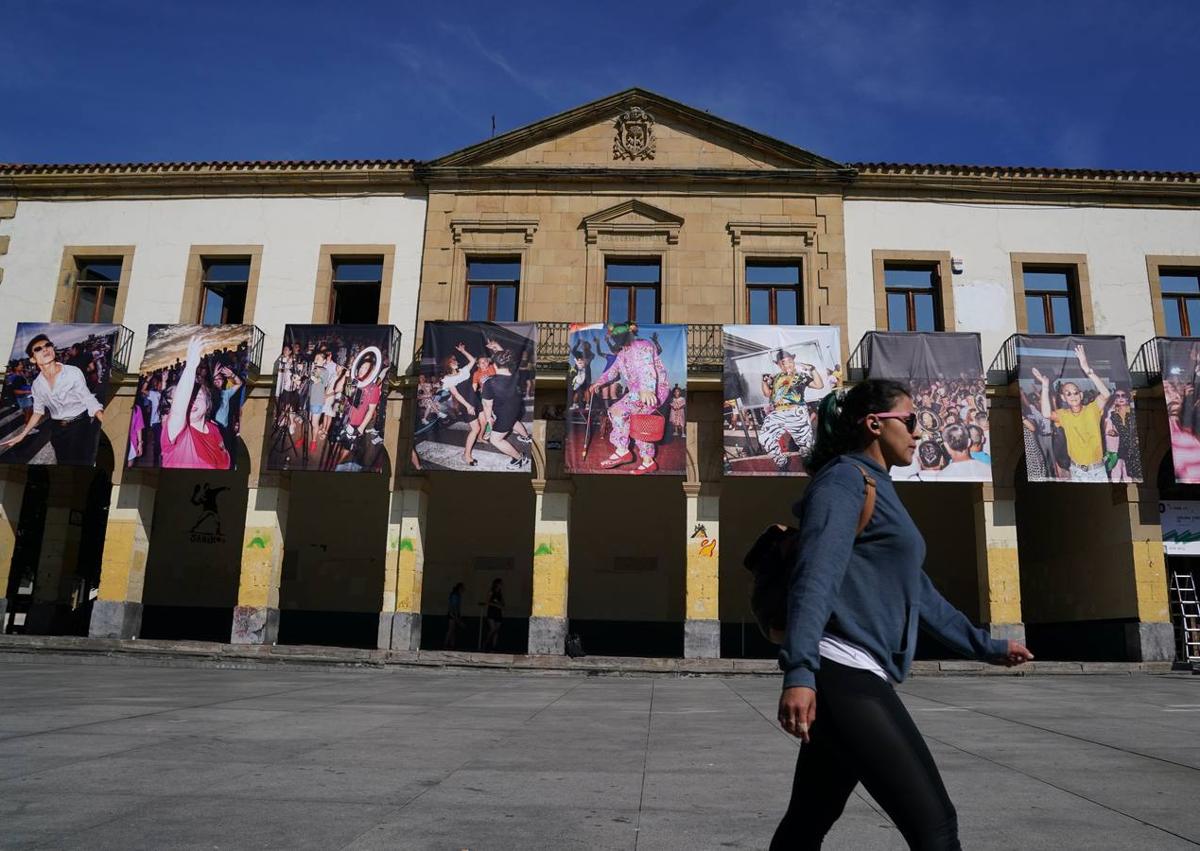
[331,398]
[55,389]
[1179,361]
[944,372]
[188,407]
[775,376]
[1077,414]
[627,399]
[475,396]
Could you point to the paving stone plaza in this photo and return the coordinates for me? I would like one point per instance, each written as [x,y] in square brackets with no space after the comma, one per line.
[102,753]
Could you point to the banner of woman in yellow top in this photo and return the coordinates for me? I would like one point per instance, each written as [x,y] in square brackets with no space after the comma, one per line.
[1077,414]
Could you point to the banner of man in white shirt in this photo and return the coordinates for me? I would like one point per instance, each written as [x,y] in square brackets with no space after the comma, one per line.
[55,389]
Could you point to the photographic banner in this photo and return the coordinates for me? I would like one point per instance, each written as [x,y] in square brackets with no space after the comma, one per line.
[1077,413]
[775,376]
[55,390]
[331,398]
[475,396]
[627,399]
[1180,364]
[944,372]
[188,407]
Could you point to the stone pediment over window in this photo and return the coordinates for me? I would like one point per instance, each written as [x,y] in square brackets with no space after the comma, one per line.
[632,218]
[634,130]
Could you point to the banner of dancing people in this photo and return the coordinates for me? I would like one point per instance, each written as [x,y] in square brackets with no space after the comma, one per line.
[627,399]
[1180,364]
[944,371]
[55,390]
[775,376]
[475,396]
[330,398]
[191,386]
[1077,413]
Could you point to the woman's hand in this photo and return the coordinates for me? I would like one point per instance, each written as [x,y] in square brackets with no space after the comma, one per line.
[648,398]
[193,350]
[798,711]
[1037,376]
[1018,654]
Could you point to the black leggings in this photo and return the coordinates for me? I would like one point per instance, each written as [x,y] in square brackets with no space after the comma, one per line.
[864,734]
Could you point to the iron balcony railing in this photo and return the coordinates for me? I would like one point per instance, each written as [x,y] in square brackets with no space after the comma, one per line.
[1003,370]
[1146,369]
[122,349]
[705,350]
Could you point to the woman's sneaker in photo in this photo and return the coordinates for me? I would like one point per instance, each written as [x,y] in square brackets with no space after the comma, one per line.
[518,463]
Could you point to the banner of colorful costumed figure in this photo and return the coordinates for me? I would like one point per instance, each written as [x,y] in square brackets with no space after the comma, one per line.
[55,390]
[1077,412]
[188,407]
[1180,364]
[627,399]
[775,376]
[944,371]
[475,396]
[330,398]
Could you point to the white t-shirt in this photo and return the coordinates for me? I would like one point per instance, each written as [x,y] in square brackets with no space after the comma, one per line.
[972,469]
[456,378]
[837,649]
[68,398]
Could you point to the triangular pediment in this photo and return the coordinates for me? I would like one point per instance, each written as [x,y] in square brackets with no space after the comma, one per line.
[633,212]
[635,129]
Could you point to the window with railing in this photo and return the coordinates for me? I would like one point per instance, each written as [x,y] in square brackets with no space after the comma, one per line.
[1051,300]
[354,294]
[913,292]
[633,289]
[1181,301]
[492,287]
[225,282]
[773,292]
[96,284]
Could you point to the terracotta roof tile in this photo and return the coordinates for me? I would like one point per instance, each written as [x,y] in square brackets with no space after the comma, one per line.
[204,166]
[947,169]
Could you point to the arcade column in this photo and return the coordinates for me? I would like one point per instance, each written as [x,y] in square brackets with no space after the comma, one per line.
[997,562]
[551,566]
[256,616]
[400,613]
[12,491]
[702,628]
[117,612]
[1151,638]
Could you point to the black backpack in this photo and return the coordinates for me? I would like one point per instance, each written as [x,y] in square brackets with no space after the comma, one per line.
[770,562]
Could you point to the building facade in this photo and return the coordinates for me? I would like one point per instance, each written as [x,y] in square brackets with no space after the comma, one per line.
[632,208]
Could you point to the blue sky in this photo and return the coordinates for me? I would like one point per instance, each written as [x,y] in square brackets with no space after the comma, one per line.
[1069,83]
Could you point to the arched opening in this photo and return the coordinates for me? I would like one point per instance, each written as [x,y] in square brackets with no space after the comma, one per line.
[748,506]
[334,559]
[1172,491]
[27,549]
[628,557]
[479,529]
[1077,584]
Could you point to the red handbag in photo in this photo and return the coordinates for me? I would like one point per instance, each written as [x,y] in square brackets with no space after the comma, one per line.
[648,428]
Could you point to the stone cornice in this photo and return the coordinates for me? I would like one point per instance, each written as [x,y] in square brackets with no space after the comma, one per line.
[538,174]
[526,227]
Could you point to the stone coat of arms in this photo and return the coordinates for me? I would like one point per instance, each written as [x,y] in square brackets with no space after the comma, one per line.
[635,135]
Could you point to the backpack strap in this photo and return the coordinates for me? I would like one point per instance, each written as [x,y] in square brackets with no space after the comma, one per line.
[868,508]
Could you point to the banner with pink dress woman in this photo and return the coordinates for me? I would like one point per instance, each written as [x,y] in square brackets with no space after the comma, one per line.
[191,385]
[627,399]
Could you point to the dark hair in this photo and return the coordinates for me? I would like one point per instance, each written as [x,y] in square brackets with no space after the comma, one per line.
[29,346]
[840,413]
[957,438]
[931,453]
[503,358]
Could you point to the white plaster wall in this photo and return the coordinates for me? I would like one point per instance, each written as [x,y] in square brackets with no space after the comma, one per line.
[291,231]
[1115,240]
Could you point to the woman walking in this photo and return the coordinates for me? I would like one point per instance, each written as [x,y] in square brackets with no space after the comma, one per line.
[854,605]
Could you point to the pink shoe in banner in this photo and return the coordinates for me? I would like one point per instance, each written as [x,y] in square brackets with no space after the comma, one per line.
[616,461]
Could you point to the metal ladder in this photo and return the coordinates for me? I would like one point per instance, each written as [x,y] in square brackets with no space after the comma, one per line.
[1185,611]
